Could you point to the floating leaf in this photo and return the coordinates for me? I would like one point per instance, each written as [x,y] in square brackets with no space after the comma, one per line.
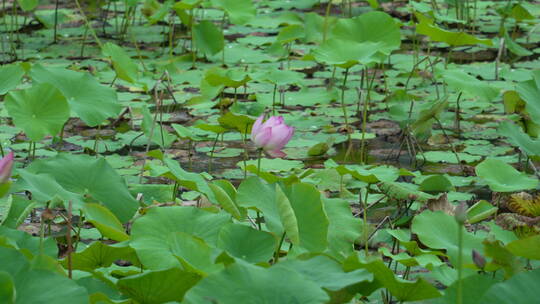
[463,82]
[517,137]
[428,27]
[502,177]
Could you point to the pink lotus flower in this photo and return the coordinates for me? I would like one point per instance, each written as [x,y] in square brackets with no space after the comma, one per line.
[6,164]
[272,135]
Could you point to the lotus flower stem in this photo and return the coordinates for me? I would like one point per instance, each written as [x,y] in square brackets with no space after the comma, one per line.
[459,299]
[259,161]
[363,158]
[343,101]
[212,154]
[259,220]
[278,249]
[68,238]
[365,232]
[190,148]
[345,112]
[326,15]
[274,100]
[88,25]
[460,217]
[55,21]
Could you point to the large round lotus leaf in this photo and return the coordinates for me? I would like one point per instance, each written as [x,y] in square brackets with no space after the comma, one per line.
[10,76]
[40,110]
[326,272]
[376,27]
[7,288]
[345,53]
[158,286]
[519,289]
[502,177]
[91,100]
[438,230]
[90,176]
[239,11]
[473,288]
[247,243]
[517,137]
[39,286]
[246,283]
[151,234]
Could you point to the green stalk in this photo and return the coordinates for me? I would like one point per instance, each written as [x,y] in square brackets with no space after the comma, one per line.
[274,100]
[190,144]
[259,225]
[363,158]
[343,107]
[326,15]
[171,35]
[276,254]
[90,28]
[259,162]
[55,21]
[84,41]
[244,142]
[365,203]
[68,238]
[97,137]
[459,299]
[41,235]
[223,34]
[212,154]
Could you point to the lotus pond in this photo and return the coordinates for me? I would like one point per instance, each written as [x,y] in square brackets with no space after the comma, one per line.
[269,151]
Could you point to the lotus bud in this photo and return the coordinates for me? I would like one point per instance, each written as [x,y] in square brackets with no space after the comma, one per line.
[271,135]
[6,165]
[478,259]
[460,213]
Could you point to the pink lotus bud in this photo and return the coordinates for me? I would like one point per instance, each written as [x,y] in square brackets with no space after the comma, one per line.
[460,213]
[6,164]
[272,135]
[478,259]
